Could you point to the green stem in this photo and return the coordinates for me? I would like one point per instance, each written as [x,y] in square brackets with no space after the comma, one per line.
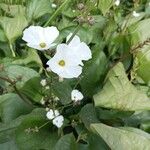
[43,125]
[74,33]
[56,13]
[12,50]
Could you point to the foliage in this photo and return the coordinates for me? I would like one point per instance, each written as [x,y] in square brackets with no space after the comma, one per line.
[115,82]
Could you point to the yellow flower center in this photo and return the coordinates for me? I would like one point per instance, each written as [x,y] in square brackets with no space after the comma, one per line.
[42,45]
[62,63]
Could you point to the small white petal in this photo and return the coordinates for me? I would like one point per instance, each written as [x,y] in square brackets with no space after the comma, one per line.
[117,2]
[71,72]
[54,5]
[47,87]
[43,82]
[58,121]
[76,95]
[51,114]
[75,41]
[135,14]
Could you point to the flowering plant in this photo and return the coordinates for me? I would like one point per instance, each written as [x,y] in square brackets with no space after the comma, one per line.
[74,75]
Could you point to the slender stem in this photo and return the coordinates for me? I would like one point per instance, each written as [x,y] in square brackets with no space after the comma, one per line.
[43,125]
[16,89]
[74,33]
[56,13]
[12,50]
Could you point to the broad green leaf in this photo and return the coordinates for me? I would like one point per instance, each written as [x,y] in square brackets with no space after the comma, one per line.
[10,145]
[94,72]
[2,36]
[38,8]
[12,106]
[85,34]
[32,57]
[139,32]
[105,5]
[88,117]
[13,27]
[143,58]
[66,142]
[33,89]
[63,91]
[123,138]
[13,10]
[19,73]
[119,93]
[45,138]
[94,142]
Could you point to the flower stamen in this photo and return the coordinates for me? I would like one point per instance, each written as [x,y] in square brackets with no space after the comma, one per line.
[42,45]
[62,63]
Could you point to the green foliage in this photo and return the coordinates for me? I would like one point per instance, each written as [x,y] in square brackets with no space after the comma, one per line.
[119,93]
[115,82]
[121,138]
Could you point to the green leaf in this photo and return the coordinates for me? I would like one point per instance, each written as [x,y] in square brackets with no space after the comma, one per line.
[143,58]
[45,138]
[119,93]
[66,142]
[12,106]
[20,74]
[2,36]
[139,32]
[36,8]
[63,91]
[33,89]
[88,115]
[9,145]
[105,5]
[13,27]
[123,138]
[84,33]
[94,72]
[32,57]
[13,10]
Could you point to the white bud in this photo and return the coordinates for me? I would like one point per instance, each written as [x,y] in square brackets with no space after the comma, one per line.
[48,69]
[54,5]
[43,82]
[135,14]
[117,2]
[76,95]
[61,79]
[47,87]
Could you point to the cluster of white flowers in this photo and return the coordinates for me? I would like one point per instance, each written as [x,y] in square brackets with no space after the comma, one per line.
[56,118]
[67,61]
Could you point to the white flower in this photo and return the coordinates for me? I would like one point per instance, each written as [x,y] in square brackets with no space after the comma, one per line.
[64,63]
[117,2]
[135,14]
[43,82]
[58,121]
[40,38]
[79,49]
[51,114]
[76,95]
